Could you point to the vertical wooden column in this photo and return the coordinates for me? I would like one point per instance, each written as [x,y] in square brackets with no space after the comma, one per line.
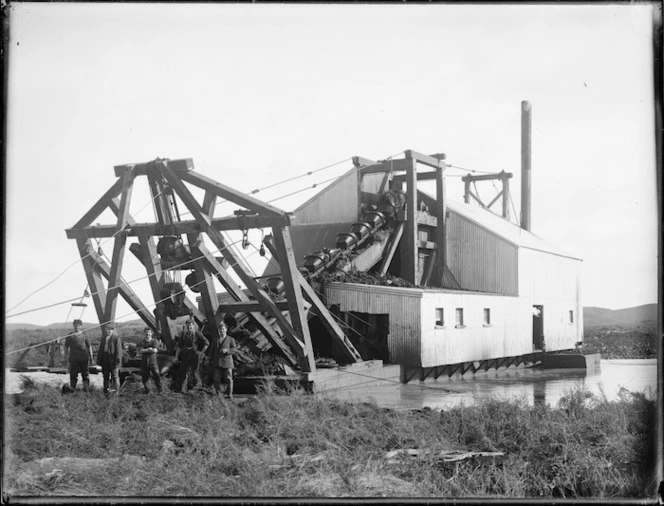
[441,227]
[506,196]
[409,258]
[289,274]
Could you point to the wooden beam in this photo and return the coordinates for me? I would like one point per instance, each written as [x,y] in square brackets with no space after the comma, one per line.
[125,291]
[500,193]
[424,159]
[506,198]
[146,252]
[93,275]
[100,205]
[409,246]
[360,162]
[391,249]
[119,245]
[228,193]
[294,294]
[428,268]
[385,166]
[206,287]
[421,176]
[253,306]
[258,319]
[477,199]
[293,340]
[180,165]
[426,219]
[320,309]
[180,227]
[486,177]
[426,244]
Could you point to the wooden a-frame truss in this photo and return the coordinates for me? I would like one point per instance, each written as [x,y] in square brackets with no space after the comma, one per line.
[284,323]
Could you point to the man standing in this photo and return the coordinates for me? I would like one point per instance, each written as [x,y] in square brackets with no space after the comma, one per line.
[189,350]
[149,347]
[222,361]
[109,357]
[77,351]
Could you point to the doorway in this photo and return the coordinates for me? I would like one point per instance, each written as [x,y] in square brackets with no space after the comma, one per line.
[538,328]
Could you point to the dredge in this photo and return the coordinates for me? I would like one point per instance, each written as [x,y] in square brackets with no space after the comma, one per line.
[436,287]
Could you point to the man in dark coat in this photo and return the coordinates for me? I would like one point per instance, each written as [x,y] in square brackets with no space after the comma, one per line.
[77,351]
[222,361]
[109,357]
[190,349]
[149,348]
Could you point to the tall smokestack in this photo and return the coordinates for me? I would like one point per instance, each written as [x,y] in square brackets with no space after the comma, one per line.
[526,123]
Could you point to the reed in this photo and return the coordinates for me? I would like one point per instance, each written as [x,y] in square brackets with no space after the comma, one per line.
[302,445]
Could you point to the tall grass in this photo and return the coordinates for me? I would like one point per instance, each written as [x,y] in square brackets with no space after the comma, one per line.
[302,445]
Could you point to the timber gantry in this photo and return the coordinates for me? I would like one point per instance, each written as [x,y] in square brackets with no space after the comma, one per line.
[170,243]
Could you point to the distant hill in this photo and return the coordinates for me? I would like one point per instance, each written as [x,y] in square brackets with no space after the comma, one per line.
[16,326]
[645,315]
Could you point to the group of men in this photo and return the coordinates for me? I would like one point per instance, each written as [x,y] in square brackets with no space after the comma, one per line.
[190,352]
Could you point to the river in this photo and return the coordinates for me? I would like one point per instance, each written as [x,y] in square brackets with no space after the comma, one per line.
[531,384]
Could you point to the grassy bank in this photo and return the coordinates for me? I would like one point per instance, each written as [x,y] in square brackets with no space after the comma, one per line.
[305,446]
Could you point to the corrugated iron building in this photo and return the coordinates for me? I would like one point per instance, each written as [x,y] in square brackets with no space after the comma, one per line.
[518,292]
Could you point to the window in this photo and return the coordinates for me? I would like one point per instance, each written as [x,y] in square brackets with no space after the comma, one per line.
[440,317]
[487,316]
[571,316]
[458,313]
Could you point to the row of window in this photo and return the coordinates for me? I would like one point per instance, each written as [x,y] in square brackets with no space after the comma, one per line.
[458,317]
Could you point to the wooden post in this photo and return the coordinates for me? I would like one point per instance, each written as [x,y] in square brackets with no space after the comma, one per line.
[409,257]
[294,294]
[92,273]
[506,196]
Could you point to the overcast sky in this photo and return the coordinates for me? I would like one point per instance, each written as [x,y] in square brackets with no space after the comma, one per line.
[259,93]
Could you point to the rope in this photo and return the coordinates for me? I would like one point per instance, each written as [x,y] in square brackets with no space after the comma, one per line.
[516,216]
[469,170]
[76,262]
[126,315]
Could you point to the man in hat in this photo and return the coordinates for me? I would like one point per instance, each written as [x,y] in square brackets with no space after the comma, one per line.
[149,347]
[222,361]
[109,357]
[77,351]
[190,348]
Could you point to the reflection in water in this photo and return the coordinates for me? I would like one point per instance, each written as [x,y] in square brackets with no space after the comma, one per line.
[533,385]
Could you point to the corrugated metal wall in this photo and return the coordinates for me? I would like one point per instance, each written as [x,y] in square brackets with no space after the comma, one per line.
[401,304]
[554,282]
[479,259]
[337,203]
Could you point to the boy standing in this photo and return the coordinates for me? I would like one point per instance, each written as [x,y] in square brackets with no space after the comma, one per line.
[222,361]
[149,347]
[109,357]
